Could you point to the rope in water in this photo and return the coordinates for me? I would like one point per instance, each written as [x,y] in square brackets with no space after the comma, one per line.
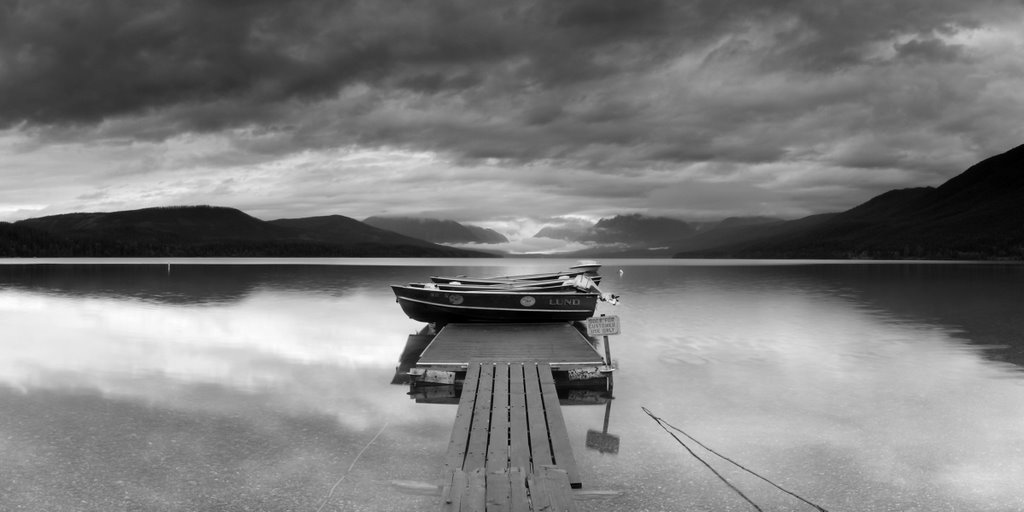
[666,425]
[349,470]
[702,461]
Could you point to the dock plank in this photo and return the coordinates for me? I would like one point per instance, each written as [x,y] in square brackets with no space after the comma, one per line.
[519,501]
[452,500]
[563,456]
[476,449]
[476,494]
[540,501]
[519,439]
[540,449]
[499,491]
[463,421]
[497,446]
[555,482]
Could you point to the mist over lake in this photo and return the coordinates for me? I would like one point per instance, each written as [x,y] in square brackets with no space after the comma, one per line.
[262,384]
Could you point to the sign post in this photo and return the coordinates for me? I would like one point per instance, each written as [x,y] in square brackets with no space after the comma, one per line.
[605,325]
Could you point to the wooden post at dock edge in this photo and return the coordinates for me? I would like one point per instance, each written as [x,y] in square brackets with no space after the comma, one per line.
[608,360]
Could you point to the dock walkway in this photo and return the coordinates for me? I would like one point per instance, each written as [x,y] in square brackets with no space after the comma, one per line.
[509,449]
[559,344]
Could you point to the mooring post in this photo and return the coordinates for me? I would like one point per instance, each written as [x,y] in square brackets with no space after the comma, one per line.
[608,357]
[608,361]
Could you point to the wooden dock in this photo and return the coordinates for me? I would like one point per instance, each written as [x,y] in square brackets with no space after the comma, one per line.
[509,449]
[559,344]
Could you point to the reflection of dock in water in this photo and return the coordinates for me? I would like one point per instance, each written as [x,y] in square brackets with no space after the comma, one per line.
[509,448]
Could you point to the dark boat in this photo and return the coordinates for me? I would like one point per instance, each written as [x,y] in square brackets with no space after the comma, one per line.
[550,297]
[430,303]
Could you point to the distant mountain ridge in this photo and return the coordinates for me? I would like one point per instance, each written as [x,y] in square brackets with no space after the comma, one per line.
[185,223]
[439,231]
[205,231]
[641,236]
[624,231]
[978,214]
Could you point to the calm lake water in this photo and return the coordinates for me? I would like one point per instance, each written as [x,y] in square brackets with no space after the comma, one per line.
[263,385]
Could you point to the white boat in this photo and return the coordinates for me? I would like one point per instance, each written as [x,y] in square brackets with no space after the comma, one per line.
[587,268]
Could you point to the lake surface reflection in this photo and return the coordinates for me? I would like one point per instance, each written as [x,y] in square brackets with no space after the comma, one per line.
[265,386]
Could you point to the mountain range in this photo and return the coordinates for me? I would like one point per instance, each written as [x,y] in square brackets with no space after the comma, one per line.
[184,231]
[625,231]
[978,214]
[437,230]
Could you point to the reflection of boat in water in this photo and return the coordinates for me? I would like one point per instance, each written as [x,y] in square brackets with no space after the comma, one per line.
[552,297]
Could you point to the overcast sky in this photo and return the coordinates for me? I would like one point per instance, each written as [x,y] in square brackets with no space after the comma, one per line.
[501,113]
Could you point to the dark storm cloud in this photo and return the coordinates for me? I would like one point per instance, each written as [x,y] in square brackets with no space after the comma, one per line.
[87,60]
[605,87]
[835,34]
[83,61]
[929,48]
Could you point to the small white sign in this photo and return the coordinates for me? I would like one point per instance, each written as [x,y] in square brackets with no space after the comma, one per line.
[585,373]
[603,325]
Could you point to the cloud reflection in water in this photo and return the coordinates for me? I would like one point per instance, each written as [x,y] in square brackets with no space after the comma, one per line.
[260,403]
[867,388]
[868,407]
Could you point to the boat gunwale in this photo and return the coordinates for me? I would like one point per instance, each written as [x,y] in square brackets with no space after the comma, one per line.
[511,286]
[546,276]
[506,291]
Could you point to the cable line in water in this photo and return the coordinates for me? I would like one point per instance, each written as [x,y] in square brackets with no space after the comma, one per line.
[349,470]
[666,426]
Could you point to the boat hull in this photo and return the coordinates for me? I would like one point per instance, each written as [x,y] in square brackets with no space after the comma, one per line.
[446,306]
